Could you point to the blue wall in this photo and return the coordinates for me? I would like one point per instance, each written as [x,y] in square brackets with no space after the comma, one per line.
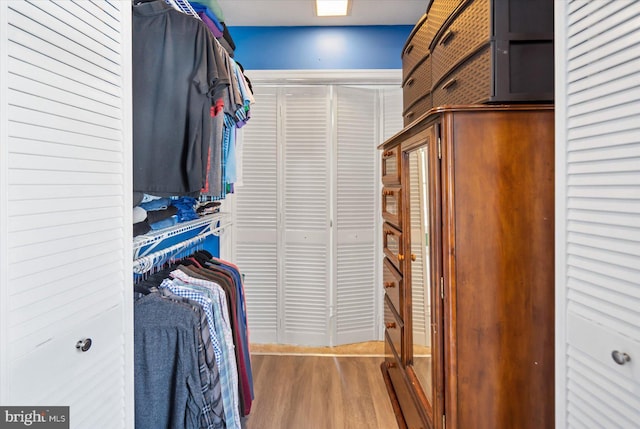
[300,48]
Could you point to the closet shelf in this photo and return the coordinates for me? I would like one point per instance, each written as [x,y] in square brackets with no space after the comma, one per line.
[183,6]
[145,244]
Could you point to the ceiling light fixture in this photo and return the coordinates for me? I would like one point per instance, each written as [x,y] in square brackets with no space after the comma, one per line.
[332,7]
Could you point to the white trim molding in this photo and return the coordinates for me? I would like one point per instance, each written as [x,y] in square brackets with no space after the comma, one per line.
[324,77]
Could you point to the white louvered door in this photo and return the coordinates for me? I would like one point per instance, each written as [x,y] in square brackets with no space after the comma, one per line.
[598,214]
[310,159]
[391,105]
[306,204]
[256,219]
[356,167]
[65,217]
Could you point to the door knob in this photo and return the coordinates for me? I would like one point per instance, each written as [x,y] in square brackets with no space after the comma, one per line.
[84,345]
[620,357]
[391,325]
[400,257]
[389,284]
[413,257]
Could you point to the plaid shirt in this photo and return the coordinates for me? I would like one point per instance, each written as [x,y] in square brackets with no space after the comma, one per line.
[184,285]
[212,413]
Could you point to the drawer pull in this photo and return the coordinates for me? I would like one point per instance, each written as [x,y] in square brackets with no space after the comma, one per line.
[387,192]
[408,50]
[390,325]
[449,84]
[410,81]
[84,345]
[387,154]
[446,37]
[400,257]
[620,357]
[388,285]
[413,257]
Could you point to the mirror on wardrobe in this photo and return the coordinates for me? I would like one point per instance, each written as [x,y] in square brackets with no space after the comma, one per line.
[418,186]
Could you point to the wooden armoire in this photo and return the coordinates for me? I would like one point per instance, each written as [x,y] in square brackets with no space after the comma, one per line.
[468,210]
[468,200]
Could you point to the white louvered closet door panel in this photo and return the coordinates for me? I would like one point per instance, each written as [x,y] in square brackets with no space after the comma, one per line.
[356,280]
[391,112]
[306,203]
[257,217]
[66,216]
[598,213]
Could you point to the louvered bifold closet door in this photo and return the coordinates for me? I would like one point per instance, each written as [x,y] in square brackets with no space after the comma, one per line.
[355,235]
[257,217]
[66,216]
[599,214]
[306,199]
[392,121]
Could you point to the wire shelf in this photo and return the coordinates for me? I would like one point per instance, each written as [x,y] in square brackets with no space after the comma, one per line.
[145,244]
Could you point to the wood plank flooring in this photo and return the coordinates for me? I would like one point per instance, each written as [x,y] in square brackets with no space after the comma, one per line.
[319,392]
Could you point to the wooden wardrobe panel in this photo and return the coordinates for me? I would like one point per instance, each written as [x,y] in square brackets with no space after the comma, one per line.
[502,222]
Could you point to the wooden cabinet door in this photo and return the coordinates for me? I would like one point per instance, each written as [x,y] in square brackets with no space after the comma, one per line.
[498,240]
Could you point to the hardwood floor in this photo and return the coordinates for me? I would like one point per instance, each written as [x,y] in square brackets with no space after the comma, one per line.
[319,392]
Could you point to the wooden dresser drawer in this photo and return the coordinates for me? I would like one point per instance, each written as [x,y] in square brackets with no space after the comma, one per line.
[416,47]
[410,415]
[392,205]
[392,245]
[393,326]
[418,108]
[391,166]
[471,83]
[392,283]
[418,84]
[468,31]
[391,356]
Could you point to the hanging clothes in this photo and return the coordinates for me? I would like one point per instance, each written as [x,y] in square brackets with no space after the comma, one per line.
[213,290]
[168,381]
[176,73]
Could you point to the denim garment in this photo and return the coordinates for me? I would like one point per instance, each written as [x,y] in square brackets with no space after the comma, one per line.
[229,149]
[165,223]
[186,208]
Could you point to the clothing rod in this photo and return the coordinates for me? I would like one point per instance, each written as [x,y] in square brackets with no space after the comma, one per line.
[147,263]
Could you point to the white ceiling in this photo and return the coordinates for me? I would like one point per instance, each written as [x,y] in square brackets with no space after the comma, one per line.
[301,13]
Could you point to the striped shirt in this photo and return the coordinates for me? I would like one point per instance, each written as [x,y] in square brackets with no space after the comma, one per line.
[184,285]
